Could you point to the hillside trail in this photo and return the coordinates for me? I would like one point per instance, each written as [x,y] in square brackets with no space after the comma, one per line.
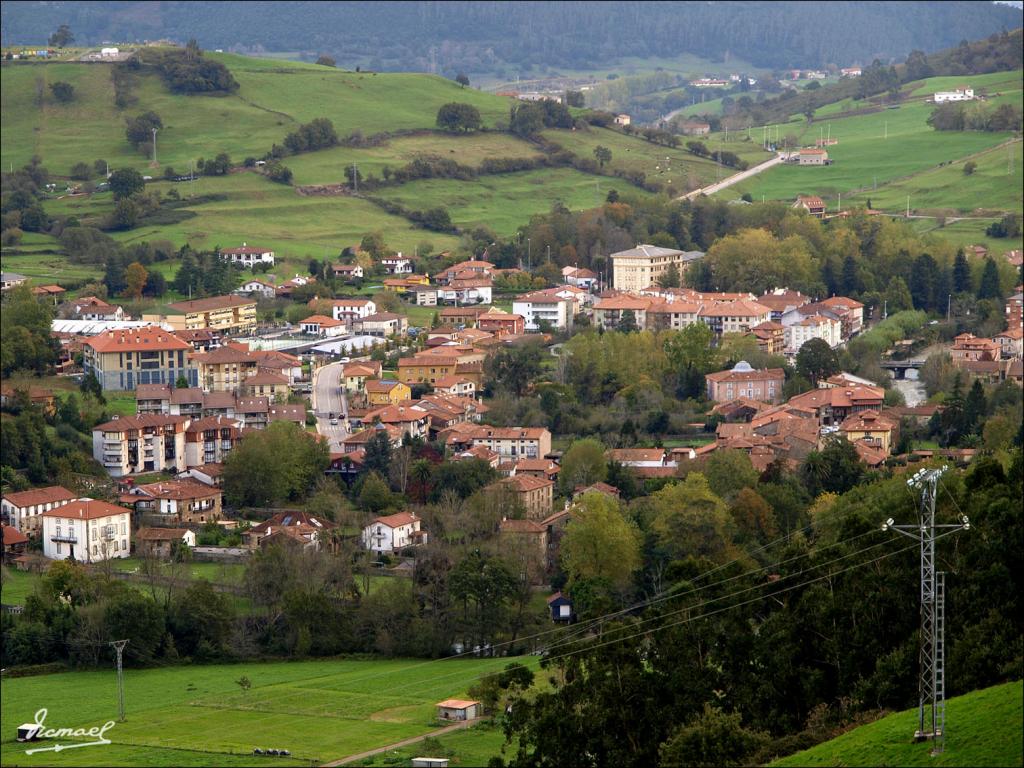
[398,744]
[735,178]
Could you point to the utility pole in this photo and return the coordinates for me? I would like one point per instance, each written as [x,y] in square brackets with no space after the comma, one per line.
[529,258]
[886,136]
[154,163]
[119,647]
[908,206]
[931,711]
[355,177]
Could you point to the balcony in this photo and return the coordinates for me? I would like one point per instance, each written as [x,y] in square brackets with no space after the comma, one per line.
[68,538]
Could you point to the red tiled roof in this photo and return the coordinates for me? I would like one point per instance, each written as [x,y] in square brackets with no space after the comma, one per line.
[143,339]
[211,303]
[86,509]
[396,520]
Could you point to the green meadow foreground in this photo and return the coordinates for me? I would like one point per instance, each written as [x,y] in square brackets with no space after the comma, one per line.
[983,729]
[195,715]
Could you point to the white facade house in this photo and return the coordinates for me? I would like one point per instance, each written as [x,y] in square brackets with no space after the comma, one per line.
[397,265]
[964,93]
[468,291]
[109,51]
[24,510]
[829,329]
[341,308]
[88,531]
[257,288]
[248,255]
[321,325]
[386,534]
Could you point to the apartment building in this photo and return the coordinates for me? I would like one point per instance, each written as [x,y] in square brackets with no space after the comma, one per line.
[224,369]
[210,440]
[544,307]
[828,329]
[737,316]
[535,494]
[124,359]
[347,309]
[149,442]
[177,501]
[23,510]
[227,314]
[642,266]
[513,442]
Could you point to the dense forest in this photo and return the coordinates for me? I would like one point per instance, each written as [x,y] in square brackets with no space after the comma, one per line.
[504,38]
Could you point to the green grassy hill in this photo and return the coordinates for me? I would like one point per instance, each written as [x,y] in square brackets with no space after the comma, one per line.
[983,728]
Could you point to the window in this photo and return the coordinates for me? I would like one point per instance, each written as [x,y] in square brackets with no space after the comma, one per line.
[60,549]
[94,550]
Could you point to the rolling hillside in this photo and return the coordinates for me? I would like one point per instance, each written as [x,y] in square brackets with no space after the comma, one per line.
[983,729]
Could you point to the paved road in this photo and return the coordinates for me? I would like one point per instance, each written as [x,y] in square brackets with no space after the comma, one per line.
[735,178]
[328,397]
[399,744]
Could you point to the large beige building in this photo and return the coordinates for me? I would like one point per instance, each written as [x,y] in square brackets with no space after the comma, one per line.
[228,314]
[124,359]
[641,267]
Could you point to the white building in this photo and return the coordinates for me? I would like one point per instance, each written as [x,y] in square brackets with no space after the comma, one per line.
[397,265]
[23,510]
[342,308]
[386,534]
[248,255]
[149,442]
[320,325]
[963,93]
[257,288]
[88,531]
[109,51]
[544,306]
[623,119]
[467,291]
[829,329]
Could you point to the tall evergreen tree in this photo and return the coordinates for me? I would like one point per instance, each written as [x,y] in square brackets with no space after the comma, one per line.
[961,273]
[974,408]
[850,282]
[990,287]
[922,282]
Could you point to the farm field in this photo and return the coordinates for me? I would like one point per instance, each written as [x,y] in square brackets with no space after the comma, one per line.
[273,98]
[637,155]
[507,201]
[968,232]
[470,747]
[864,158]
[983,729]
[319,710]
[328,166]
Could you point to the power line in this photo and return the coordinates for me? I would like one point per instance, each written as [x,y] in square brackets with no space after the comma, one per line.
[119,647]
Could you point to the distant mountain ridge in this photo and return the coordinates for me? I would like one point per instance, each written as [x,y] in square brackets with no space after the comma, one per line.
[502,38]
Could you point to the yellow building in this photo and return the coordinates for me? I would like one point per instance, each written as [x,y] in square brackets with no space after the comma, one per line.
[228,314]
[403,284]
[225,369]
[641,267]
[426,368]
[266,384]
[869,427]
[355,375]
[387,392]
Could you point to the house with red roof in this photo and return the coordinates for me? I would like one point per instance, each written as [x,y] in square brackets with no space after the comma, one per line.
[393,532]
[247,256]
[87,530]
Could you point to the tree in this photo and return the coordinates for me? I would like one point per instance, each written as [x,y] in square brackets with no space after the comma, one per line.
[600,543]
[990,287]
[326,61]
[81,172]
[484,585]
[25,340]
[63,92]
[670,278]
[975,408]
[713,738]
[279,172]
[374,494]
[278,463]
[897,296]
[816,360]
[63,37]
[200,620]
[627,322]
[574,99]
[691,520]
[462,79]
[378,453]
[603,155]
[527,119]
[514,368]
[135,276]
[139,129]
[125,215]
[456,117]
[753,517]
[837,468]
[969,167]
[131,615]
[729,472]
[125,182]
[961,273]
[582,465]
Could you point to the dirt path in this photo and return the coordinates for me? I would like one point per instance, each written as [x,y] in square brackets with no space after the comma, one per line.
[398,744]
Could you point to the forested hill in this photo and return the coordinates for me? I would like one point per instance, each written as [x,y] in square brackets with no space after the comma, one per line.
[503,37]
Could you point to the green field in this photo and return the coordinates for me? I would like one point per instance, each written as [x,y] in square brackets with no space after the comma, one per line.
[656,162]
[471,747]
[507,202]
[273,98]
[983,728]
[319,710]
[873,150]
[328,166]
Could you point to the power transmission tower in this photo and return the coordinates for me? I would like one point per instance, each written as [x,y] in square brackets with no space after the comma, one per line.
[119,647]
[931,711]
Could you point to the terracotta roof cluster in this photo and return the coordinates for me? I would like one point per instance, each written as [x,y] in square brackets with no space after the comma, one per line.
[86,509]
[145,339]
[49,495]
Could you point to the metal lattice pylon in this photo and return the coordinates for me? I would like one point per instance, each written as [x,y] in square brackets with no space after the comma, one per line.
[931,713]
